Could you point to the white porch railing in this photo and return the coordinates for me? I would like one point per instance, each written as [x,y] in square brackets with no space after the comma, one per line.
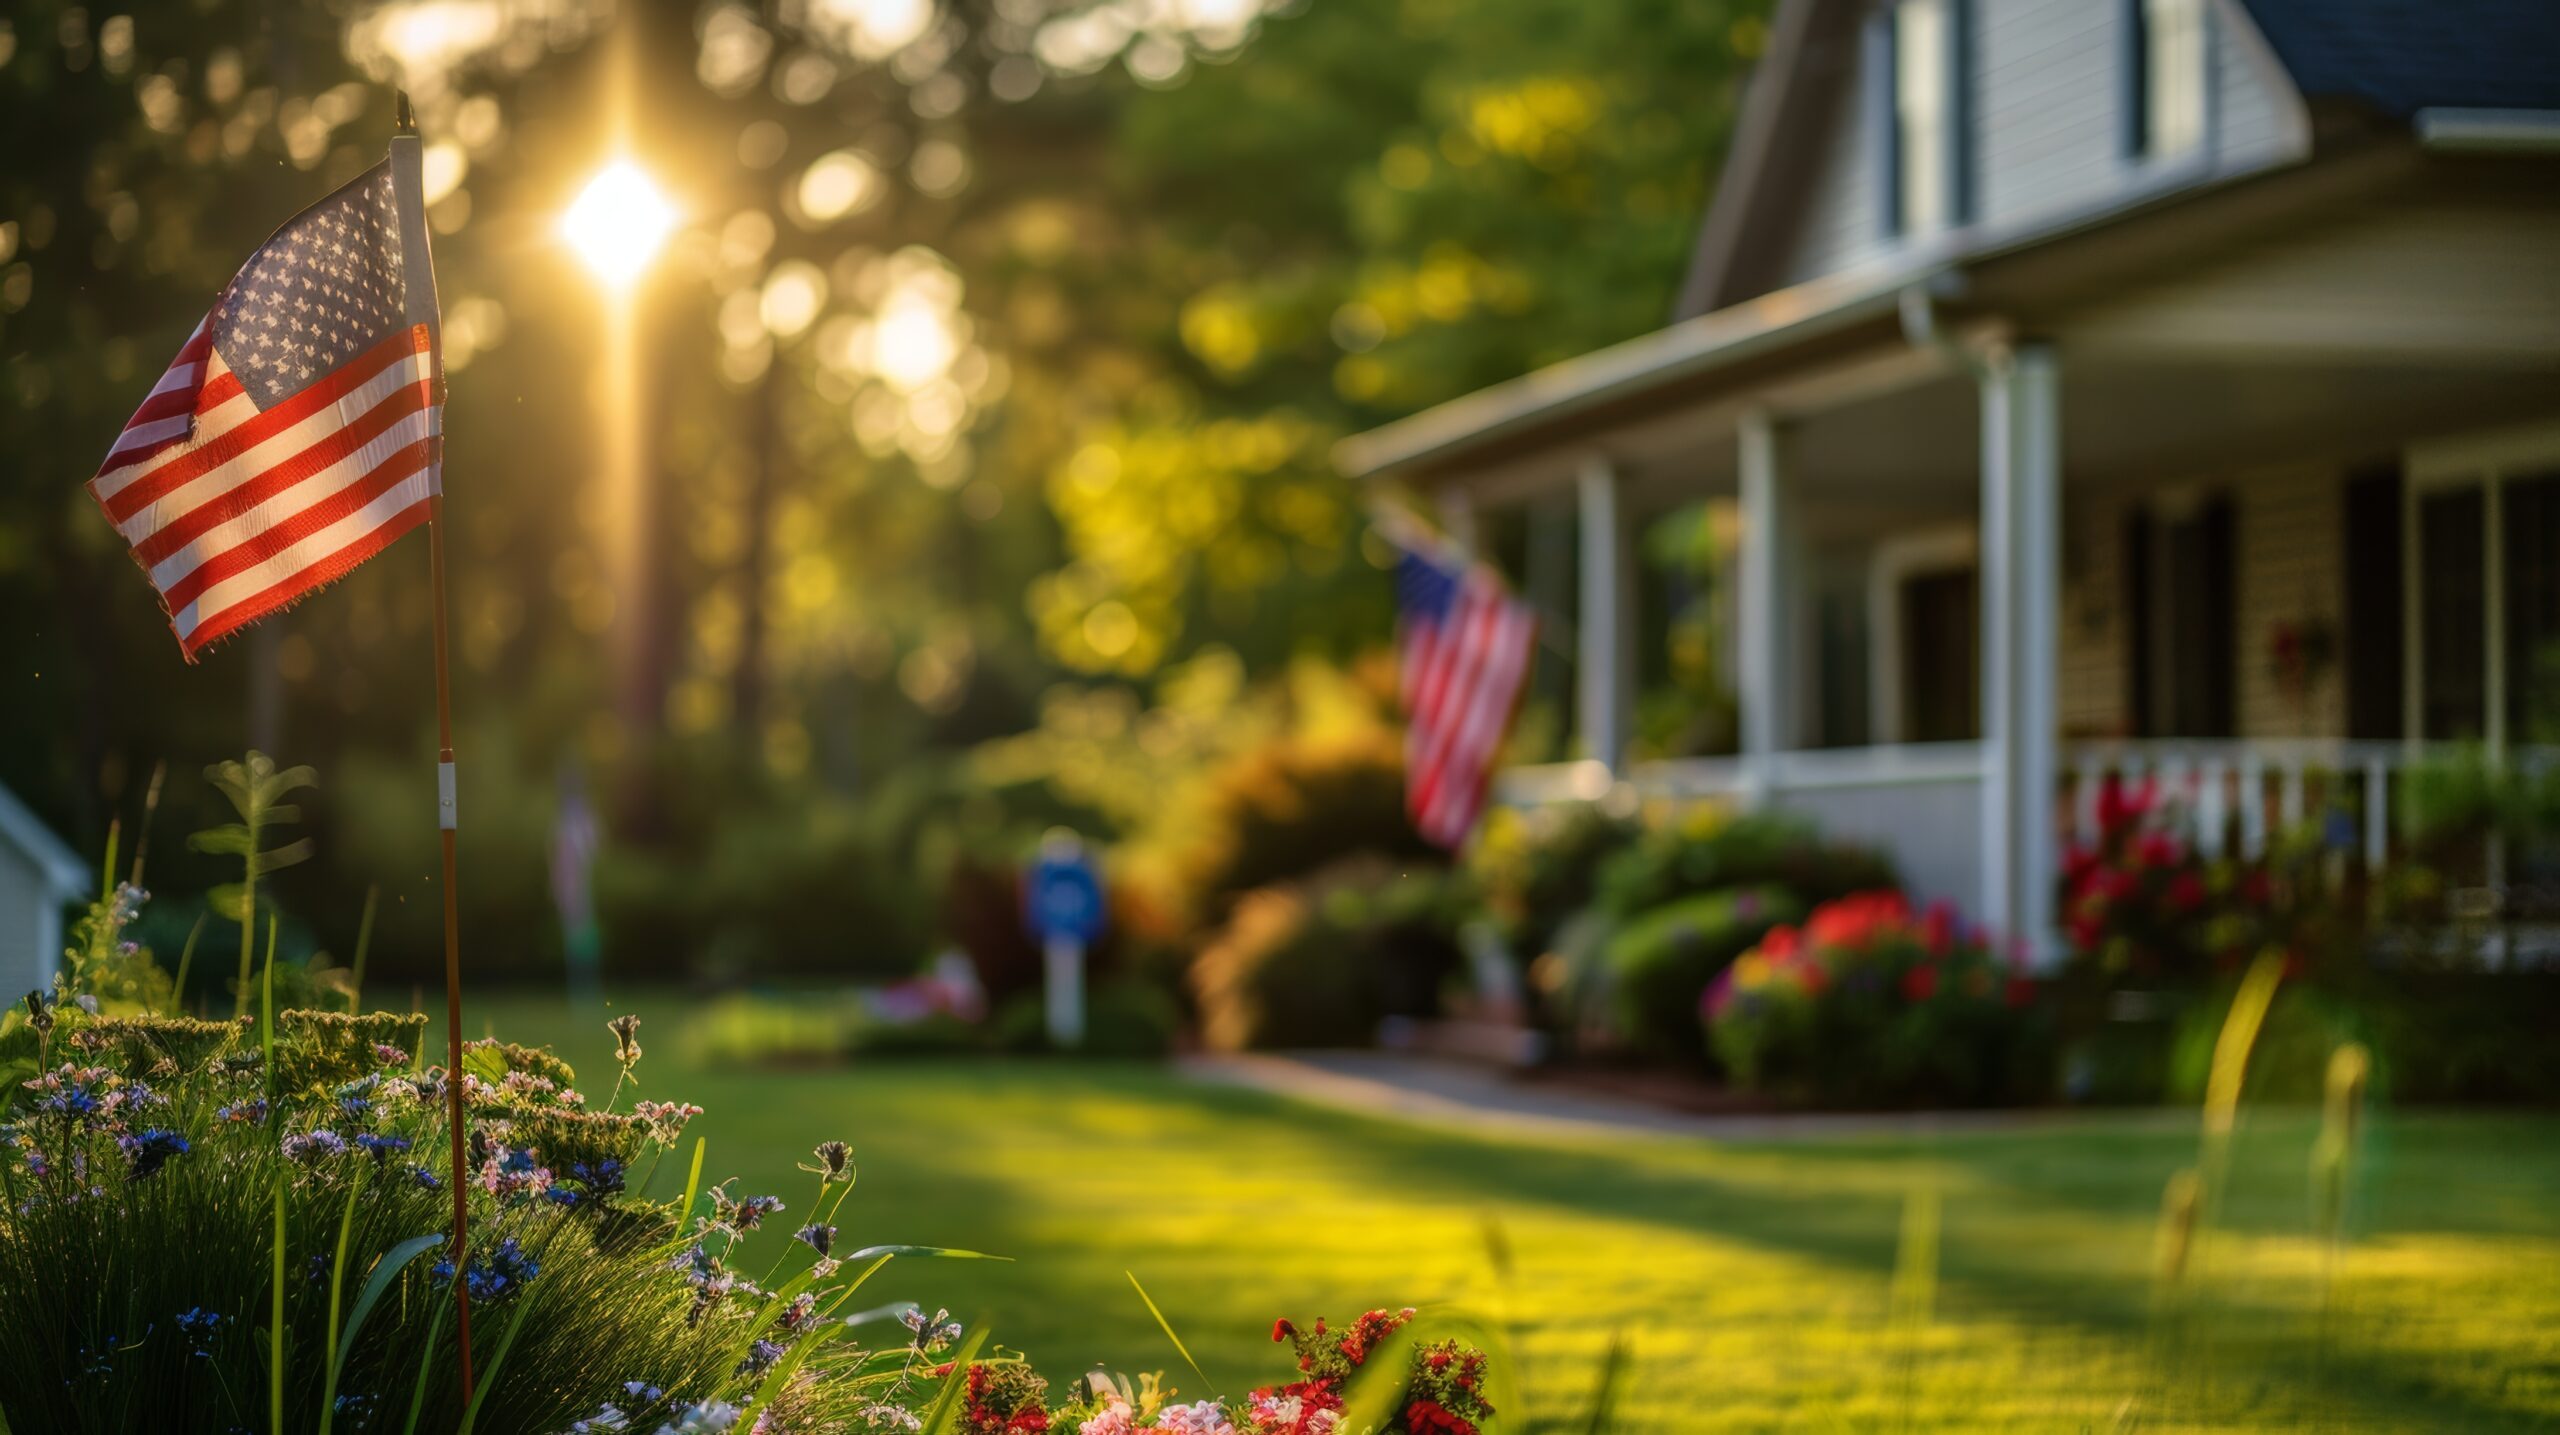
[2232,794]
[1811,770]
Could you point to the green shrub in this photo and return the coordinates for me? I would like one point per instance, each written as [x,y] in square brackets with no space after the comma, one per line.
[1703,850]
[1659,963]
[1320,962]
[1293,807]
[1538,868]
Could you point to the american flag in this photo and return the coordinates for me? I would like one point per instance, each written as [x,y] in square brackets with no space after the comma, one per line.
[298,432]
[1464,645]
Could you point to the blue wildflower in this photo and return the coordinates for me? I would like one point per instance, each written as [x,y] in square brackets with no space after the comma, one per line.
[603,1178]
[253,1113]
[382,1148]
[505,1270]
[151,1150]
[72,1100]
[562,1196]
[198,1326]
[643,1392]
[426,1178]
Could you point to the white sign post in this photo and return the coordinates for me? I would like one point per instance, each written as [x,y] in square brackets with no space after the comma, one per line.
[1063,907]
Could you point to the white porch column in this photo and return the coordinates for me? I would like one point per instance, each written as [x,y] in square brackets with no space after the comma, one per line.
[2021,599]
[1604,673]
[1768,522]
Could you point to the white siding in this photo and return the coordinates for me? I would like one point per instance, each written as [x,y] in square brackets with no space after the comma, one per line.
[2292,523]
[1843,223]
[2048,91]
[30,928]
[2093,668]
[2048,105]
[2469,272]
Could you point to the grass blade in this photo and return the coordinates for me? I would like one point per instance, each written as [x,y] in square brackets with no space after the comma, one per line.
[426,1365]
[1167,1326]
[275,1342]
[946,1253]
[384,1270]
[364,940]
[186,959]
[337,1287]
[1604,1391]
[489,1376]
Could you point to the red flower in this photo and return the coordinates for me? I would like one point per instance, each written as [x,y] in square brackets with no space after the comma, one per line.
[1429,1417]
[2158,849]
[1920,983]
[2256,888]
[1281,1329]
[1938,929]
[2021,992]
[2185,893]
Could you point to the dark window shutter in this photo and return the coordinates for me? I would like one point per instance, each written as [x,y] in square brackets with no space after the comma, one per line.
[2374,619]
[1959,112]
[2133,64]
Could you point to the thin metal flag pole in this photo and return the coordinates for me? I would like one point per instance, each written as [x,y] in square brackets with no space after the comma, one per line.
[419,275]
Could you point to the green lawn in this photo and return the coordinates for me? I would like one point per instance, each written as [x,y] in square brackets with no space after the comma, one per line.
[1755,1284]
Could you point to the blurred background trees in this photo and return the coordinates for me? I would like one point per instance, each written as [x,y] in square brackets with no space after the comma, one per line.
[989,383]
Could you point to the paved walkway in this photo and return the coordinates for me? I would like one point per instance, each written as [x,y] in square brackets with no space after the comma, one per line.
[1434,1091]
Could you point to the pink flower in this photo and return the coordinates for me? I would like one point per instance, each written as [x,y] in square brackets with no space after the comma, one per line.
[1206,1417]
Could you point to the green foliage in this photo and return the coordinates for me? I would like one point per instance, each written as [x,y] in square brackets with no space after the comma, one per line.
[1294,807]
[1319,962]
[1539,867]
[1704,850]
[1659,963]
[254,788]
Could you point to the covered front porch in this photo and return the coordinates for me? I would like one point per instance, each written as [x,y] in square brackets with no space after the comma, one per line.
[2262,529]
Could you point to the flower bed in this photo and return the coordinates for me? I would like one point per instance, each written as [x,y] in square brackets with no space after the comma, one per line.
[219,1225]
[1871,1003]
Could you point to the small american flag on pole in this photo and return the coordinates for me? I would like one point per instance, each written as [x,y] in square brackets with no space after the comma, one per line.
[1463,649]
[299,431]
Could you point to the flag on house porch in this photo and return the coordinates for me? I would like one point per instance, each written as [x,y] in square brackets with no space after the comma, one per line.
[1463,650]
[297,433]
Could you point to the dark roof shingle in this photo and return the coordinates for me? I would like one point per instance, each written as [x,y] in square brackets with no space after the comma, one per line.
[2401,56]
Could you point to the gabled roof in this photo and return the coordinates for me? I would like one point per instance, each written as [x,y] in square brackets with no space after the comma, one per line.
[2384,60]
[2397,57]
[22,831]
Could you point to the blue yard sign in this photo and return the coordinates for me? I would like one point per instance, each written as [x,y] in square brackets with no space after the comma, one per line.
[1062,895]
[1062,905]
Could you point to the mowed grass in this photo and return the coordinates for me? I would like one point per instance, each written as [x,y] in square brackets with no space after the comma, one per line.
[1755,1285]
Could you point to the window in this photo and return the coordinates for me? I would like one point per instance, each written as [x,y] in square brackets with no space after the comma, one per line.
[2167,96]
[1922,111]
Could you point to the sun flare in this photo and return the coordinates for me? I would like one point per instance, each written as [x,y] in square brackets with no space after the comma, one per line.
[618,222]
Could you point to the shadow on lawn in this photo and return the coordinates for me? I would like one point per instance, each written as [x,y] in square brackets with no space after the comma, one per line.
[2044,1240]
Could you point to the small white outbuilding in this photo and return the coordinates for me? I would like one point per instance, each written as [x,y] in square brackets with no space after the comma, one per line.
[39,877]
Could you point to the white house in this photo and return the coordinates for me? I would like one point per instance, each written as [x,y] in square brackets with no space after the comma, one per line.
[2159,384]
[39,877]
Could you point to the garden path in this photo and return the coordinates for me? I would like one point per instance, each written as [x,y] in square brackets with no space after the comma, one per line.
[1438,1091]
